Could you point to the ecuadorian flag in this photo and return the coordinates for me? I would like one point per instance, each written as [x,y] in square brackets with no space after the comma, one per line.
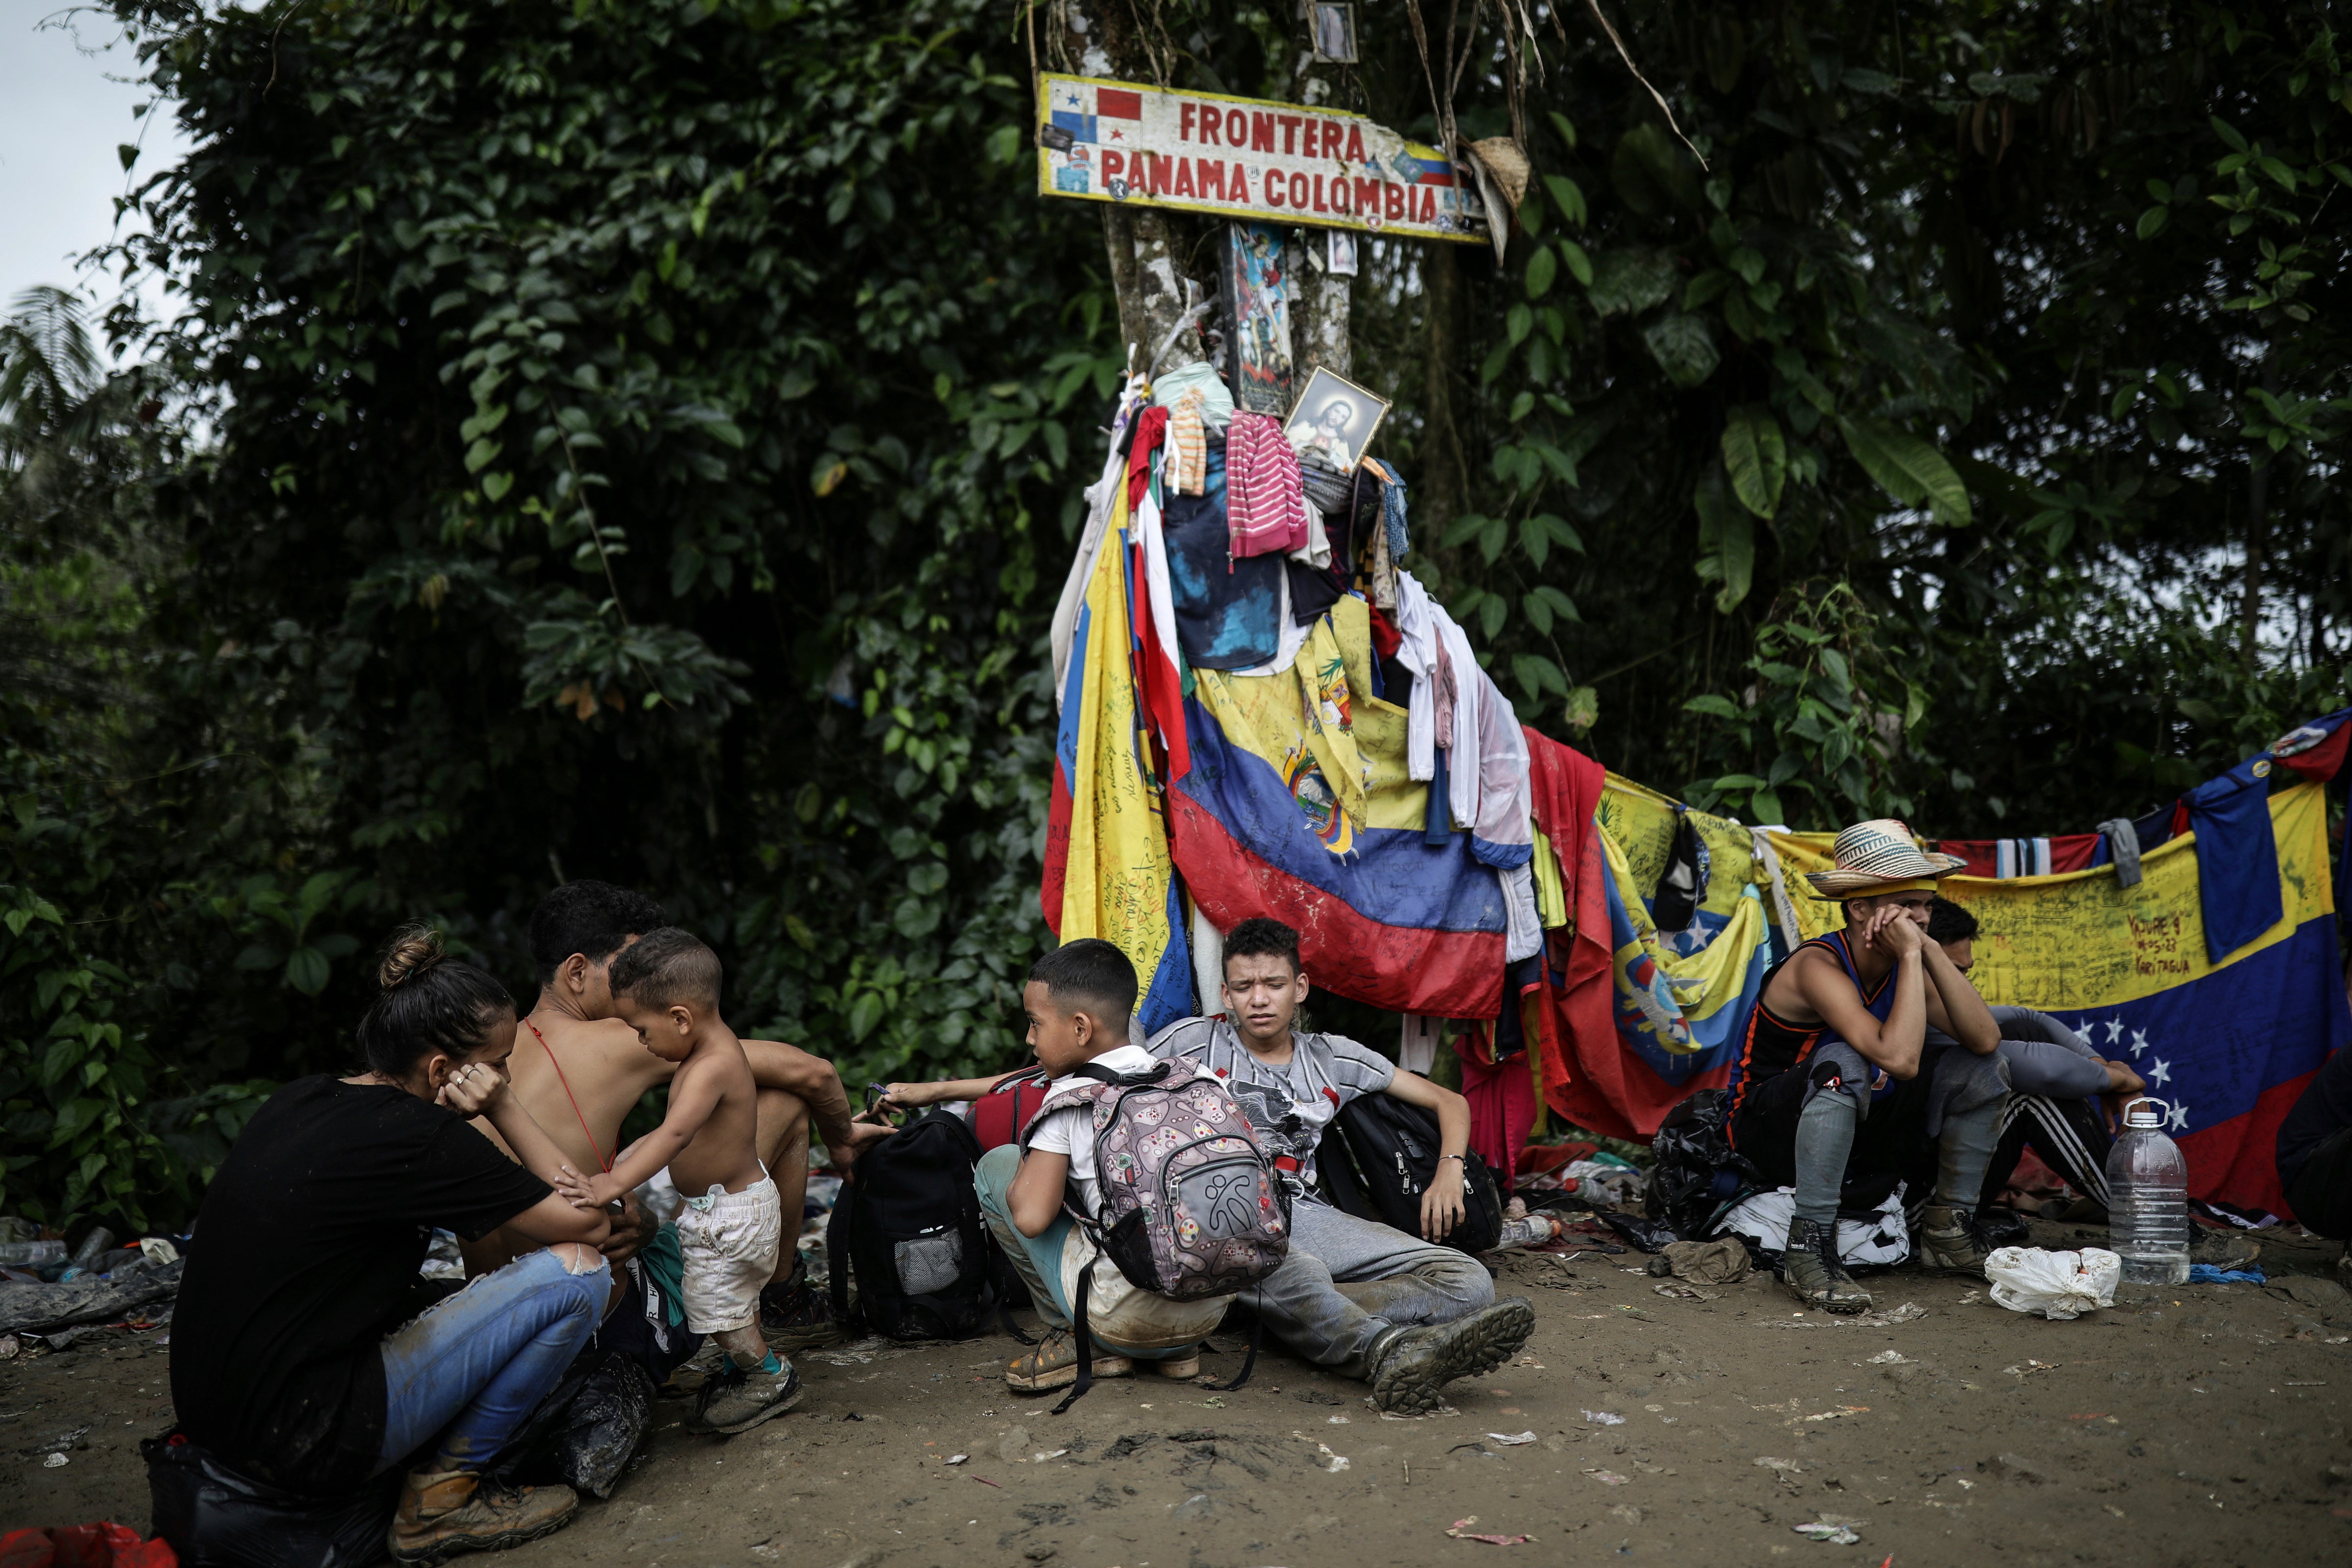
[2228,1046]
[1297,804]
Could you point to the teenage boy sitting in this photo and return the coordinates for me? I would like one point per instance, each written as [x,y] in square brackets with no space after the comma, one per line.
[1079,1000]
[666,987]
[1365,1299]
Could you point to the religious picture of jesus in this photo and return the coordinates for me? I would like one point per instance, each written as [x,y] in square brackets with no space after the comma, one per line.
[1334,420]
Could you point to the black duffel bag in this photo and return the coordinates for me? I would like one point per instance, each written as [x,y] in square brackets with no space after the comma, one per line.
[1379,1156]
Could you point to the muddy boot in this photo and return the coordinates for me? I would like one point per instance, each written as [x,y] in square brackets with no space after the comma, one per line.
[736,1401]
[1410,1371]
[796,1316]
[445,1512]
[1950,1243]
[1055,1364]
[1811,1271]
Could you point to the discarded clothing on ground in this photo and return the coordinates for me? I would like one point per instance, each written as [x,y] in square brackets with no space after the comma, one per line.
[39,1308]
[1883,1238]
[1723,1261]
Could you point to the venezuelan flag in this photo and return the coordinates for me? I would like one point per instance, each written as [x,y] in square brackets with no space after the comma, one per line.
[1108,871]
[2226,1045]
[1295,802]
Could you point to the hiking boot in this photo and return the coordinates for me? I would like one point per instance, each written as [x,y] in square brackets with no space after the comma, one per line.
[1951,1243]
[1055,1364]
[1410,1372]
[796,1316]
[1811,1272]
[445,1512]
[735,1400]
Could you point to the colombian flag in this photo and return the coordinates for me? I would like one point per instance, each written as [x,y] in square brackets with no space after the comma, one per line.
[2228,1046]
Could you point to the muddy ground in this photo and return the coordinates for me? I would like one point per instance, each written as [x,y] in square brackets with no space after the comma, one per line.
[2200,1424]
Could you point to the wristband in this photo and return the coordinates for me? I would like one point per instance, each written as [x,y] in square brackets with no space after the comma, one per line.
[1455,1158]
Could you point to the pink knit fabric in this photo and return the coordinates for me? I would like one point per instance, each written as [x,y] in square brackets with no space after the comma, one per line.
[1265,503]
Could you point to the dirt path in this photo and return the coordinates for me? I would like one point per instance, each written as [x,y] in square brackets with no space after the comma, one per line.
[2202,1426]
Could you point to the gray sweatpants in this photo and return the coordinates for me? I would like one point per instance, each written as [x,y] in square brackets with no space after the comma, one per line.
[1348,1282]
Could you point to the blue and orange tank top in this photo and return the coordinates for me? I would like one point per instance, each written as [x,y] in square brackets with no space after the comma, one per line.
[1774,1046]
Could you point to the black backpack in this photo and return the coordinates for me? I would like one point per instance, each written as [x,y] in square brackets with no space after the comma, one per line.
[909,1227]
[1379,1156]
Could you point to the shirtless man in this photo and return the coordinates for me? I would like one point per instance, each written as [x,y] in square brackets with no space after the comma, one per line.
[580,1071]
[1837,1080]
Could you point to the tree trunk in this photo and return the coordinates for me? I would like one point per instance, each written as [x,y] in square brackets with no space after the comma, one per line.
[1150,248]
[1444,485]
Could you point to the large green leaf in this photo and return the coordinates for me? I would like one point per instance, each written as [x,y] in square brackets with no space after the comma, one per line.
[1907,468]
[1683,347]
[1755,458]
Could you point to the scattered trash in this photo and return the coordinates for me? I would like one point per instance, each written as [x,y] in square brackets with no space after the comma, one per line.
[958,1458]
[1461,1531]
[1609,1477]
[983,1481]
[442,1259]
[1335,1420]
[156,1249]
[2058,1285]
[76,1438]
[1888,1358]
[1787,1467]
[1214,1403]
[1604,1418]
[2213,1274]
[1511,1439]
[10,1347]
[1686,1293]
[1823,1530]
[1333,1462]
[1838,1415]
[53,1462]
[1909,1312]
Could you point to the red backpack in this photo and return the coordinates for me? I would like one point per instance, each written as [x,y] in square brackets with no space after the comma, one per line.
[998,1116]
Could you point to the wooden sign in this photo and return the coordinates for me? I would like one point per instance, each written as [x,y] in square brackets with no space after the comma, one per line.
[1247,158]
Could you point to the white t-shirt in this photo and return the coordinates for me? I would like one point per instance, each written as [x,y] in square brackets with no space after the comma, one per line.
[1071,1130]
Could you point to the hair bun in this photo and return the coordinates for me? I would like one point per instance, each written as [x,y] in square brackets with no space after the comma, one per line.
[415,949]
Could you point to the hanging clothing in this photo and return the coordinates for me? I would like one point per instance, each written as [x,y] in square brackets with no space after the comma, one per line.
[2123,850]
[1266,504]
[1216,407]
[2237,857]
[1151,427]
[1100,496]
[1417,1049]
[1188,444]
[1228,613]
[1392,507]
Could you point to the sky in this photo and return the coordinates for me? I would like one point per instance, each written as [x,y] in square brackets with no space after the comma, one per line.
[66,104]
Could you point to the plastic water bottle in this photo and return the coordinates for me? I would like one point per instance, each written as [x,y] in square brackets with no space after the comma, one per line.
[2147,1200]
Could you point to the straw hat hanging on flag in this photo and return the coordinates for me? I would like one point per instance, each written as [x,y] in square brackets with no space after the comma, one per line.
[1879,856]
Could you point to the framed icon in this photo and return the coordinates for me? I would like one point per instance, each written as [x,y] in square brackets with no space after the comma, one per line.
[1333,29]
[1334,420]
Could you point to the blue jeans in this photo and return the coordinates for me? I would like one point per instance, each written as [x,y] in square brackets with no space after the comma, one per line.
[1037,1258]
[480,1363]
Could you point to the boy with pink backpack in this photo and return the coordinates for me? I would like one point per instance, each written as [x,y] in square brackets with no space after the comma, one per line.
[1137,1201]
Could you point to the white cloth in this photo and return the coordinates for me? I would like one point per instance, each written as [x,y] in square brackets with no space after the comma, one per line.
[1417,1050]
[1764,1219]
[730,1242]
[1070,1130]
[1417,651]
[1464,771]
[1100,495]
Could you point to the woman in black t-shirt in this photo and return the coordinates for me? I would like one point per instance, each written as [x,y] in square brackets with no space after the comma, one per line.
[298,1353]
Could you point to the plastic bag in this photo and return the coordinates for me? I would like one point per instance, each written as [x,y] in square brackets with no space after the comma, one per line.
[1696,1174]
[2059,1285]
[215,1518]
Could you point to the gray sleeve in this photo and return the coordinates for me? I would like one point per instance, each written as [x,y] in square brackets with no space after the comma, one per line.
[2025,1024]
[1359,1068]
[2044,1067]
[1185,1036]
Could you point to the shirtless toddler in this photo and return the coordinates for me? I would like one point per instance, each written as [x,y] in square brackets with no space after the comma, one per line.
[667,988]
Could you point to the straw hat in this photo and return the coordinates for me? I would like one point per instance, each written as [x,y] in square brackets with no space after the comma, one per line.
[1878,856]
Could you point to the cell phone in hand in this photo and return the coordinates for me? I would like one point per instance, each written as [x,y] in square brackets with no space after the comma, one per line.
[875,1094]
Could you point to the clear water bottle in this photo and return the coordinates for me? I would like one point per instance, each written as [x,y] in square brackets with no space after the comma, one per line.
[2147,1200]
